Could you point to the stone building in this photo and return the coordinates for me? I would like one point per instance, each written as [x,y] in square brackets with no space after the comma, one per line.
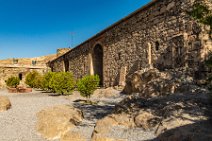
[19,67]
[160,34]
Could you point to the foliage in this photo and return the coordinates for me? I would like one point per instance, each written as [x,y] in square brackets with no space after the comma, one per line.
[62,83]
[87,85]
[46,82]
[13,82]
[202,14]
[34,79]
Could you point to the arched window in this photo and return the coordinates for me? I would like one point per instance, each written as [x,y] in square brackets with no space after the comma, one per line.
[157,46]
[20,76]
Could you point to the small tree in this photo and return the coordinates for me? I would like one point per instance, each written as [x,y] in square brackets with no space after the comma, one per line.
[13,82]
[46,82]
[33,79]
[87,85]
[62,83]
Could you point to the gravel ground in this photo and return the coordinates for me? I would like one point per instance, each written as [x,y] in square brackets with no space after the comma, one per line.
[18,123]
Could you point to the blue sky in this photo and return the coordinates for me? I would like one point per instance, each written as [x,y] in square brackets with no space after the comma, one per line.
[30,28]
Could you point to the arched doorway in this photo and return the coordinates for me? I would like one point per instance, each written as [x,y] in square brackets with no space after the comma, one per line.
[98,62]
[20,76]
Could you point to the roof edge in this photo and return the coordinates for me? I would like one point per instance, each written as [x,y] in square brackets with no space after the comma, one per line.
[110,27]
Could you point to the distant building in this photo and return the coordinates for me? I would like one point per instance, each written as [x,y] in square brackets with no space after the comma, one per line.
[19,67]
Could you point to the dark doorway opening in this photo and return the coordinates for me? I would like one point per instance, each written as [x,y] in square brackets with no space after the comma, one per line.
[98,62]
[66,64]
[20,76]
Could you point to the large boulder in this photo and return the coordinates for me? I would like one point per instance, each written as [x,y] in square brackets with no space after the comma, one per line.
[55,121]
[199,131]
[72,136]
[105,127]
[4,103]
[106,93]
[153,83]
[143,119]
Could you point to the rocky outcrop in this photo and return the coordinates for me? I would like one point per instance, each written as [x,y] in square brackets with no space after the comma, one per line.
[4,103]
[154,83]
[55,122]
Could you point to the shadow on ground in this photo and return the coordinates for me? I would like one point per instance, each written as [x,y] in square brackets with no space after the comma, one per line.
[94,112]
[199,131]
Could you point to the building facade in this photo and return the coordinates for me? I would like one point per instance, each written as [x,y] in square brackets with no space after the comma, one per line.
[160,34]
[20,67]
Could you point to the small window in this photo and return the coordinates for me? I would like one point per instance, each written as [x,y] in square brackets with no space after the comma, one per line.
[20,76]
[15,61]
[34,62]
[119,56]
[157,46]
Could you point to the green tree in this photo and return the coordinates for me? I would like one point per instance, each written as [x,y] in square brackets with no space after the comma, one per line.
[202,13]
[13,82]
[62,83]
[47,79]
[34,79]
[87,85]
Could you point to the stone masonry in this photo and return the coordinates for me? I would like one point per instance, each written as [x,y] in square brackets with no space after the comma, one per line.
[20,67]
[160,34]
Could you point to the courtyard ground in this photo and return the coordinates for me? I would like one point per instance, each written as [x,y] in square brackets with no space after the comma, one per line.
[18,123]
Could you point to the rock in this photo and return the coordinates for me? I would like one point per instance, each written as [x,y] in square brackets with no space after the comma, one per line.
[4,103]
[152,83]
[56,121]
[143,120]
[193,132]
[105,127]
[72,136]
[106,93]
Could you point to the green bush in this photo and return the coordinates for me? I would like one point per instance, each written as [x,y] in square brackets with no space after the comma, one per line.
[34,79]
[87,85]
[62,83]
[13,82]
[46,82]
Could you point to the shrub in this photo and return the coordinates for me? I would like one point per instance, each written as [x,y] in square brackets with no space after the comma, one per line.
[87,85]
[62,83]
[46,82]
[13,82]
[38,82]
[34,79]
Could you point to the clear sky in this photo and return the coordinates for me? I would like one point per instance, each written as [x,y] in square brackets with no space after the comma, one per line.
[30,28]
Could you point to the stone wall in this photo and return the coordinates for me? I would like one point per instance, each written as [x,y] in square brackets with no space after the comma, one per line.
[23,66]
[6,72]
[160,34]
[62,51]
[40,61]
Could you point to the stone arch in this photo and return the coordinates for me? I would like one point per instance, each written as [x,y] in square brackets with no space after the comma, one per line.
[97,60]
